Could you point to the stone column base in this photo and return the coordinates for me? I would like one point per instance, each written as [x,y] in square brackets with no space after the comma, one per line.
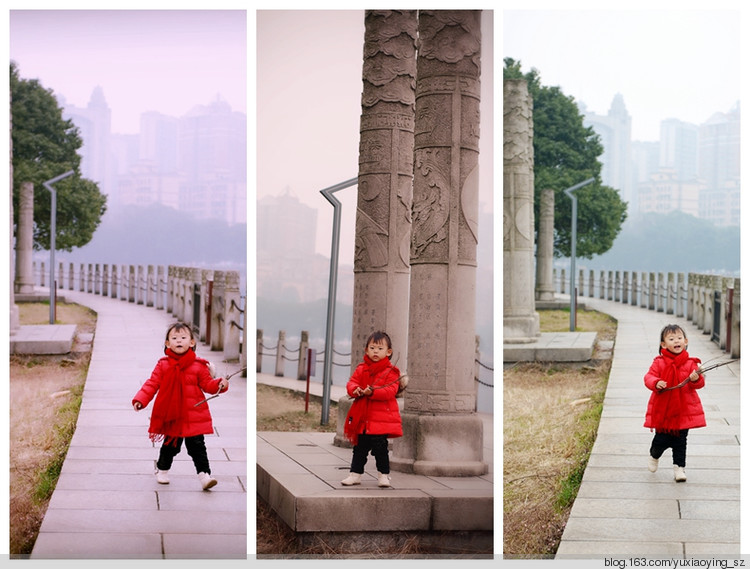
[440,445]
[521,329]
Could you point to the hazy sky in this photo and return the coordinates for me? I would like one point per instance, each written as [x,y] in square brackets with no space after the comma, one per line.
[144,60]
[309,87]
[677,63]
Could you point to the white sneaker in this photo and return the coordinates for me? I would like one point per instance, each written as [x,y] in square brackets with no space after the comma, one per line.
[207,481]
[162,476]
[383,480]
[352,479]
[679,474]
[653,463]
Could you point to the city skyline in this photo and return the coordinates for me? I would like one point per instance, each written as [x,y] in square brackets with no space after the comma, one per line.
[666,63]
[144,60]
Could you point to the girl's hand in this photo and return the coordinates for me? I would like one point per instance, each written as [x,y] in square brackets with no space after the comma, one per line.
[137,406]
[695,376]
[223,384]
[661,384]
[367,391]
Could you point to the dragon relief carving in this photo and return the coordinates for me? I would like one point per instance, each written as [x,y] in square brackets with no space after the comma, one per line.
[431,201]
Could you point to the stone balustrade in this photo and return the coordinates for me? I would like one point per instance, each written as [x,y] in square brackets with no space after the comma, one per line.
[209,300]
[710,302]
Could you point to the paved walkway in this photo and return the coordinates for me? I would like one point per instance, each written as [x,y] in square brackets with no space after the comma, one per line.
[107,503]
[624,510]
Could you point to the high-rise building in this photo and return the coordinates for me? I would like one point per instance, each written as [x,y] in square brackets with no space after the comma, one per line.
[94,123]
[719,148]
[678,148]
[614,130]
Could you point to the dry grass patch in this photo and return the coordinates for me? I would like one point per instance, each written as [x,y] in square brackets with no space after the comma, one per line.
[45,395]
[550,416]
[283,410]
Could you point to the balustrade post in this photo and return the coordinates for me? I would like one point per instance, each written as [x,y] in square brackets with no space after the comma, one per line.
[97,279]
[206,278]
[651,291]
[105,279]
[233,317]
[89,278]
[679,301]
[616,296]
[159,288]
[580,282]
[602,280]
[670,293]
[169,288]
[633,288]
[115,283]
[279,372]
[610,282]
[150,285]
[591,283]
[132,285]
[625,287]
[304,344]
[218,309]
[258,349]
[71,277]
[563,281]
[42,274]
[734,347]
[60,276]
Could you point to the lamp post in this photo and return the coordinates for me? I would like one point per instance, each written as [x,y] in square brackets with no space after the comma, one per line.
[573,238]
[332,282]
[52,235]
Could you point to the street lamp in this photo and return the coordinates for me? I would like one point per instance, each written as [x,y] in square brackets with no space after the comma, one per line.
[332,282]
[573,238]
[52,235]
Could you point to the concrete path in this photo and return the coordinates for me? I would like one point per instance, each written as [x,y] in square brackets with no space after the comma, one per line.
[624,510]
[107,503]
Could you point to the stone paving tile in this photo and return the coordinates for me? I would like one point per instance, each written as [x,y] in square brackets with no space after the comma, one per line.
[202,546]
[76,545]
[95,521]
[626,508]
[681,530]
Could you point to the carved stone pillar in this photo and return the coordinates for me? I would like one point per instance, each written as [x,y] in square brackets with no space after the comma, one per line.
[25,240]
[442,433]
[520,319]
[386,153]
[545,284]
[386,166]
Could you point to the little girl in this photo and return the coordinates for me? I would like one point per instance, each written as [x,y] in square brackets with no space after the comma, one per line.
[180,411]
[674,406]
[374,416]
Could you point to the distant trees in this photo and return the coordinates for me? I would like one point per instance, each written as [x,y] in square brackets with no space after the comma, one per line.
[566,153]
[45,146]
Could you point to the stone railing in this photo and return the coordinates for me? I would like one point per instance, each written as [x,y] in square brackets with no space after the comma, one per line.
[209,300]
[710,302]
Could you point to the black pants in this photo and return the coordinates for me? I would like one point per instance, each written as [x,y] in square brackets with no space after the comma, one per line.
[678,444]
[378,445]
[196,448]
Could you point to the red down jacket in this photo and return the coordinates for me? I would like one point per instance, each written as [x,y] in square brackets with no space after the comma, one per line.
[196,380]
[685,398]
[378,413]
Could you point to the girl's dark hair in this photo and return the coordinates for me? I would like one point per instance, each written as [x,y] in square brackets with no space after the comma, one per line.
[378,337]
[179,326]
[670,329]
